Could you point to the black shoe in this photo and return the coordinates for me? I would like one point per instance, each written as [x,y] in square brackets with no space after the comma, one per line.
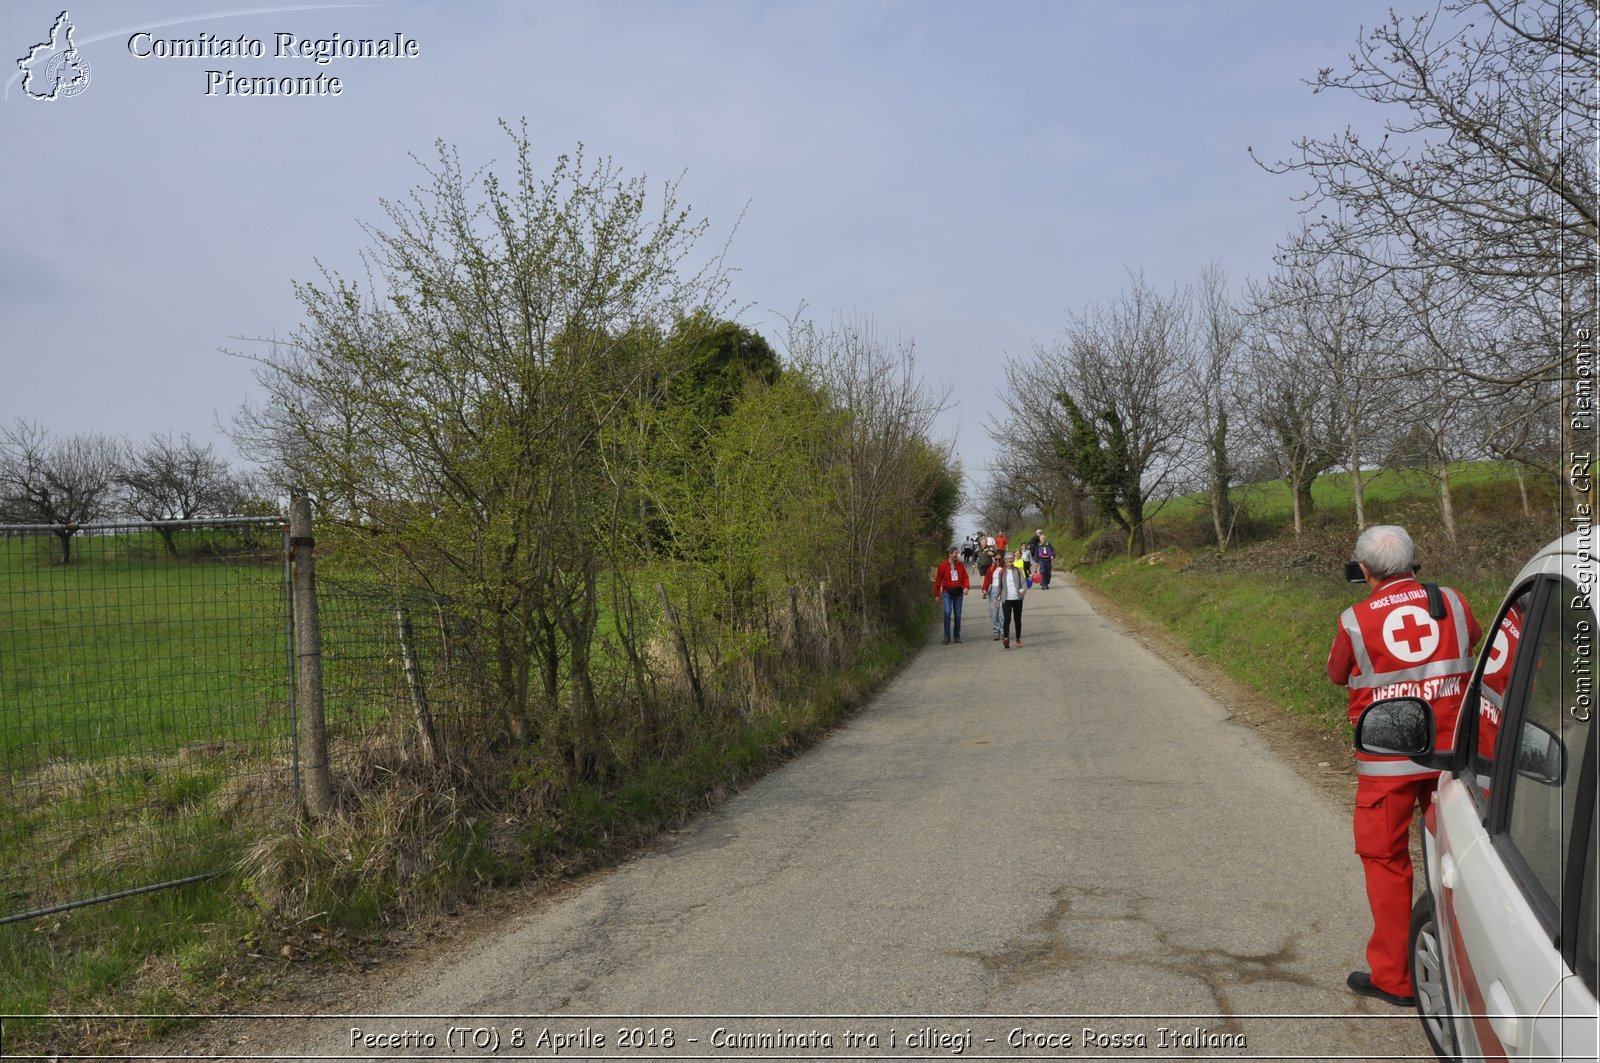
[947,642]
[1361,982]
[958,638]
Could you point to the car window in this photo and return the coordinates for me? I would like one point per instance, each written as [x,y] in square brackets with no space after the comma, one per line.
[1586,960]
[1545,744]
[1504,641]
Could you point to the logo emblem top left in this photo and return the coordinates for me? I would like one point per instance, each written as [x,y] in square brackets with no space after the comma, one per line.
[55,69]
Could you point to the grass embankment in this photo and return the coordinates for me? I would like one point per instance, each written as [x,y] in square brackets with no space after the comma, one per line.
[1265,610]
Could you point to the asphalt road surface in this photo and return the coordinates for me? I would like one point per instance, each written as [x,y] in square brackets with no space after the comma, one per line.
[1060,851]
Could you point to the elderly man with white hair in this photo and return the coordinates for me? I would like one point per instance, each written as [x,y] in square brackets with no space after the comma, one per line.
[1408,639]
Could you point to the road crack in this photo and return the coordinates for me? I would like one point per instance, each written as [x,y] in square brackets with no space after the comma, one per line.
[1089,927]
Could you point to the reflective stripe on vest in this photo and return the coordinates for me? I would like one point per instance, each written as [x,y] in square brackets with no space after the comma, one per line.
[1393,768]
[1431,670]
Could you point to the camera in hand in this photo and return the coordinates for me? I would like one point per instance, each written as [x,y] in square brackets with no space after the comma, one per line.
[1353,573]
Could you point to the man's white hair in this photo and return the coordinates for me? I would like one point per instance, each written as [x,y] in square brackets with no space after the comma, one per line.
[1386,550]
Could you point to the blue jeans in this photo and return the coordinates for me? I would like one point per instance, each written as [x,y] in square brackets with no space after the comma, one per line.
[995,612]
[952,607]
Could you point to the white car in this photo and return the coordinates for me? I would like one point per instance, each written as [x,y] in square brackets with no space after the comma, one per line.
[1505,944]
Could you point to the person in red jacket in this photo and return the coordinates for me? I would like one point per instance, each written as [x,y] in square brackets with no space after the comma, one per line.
[951,584]
[1405,640]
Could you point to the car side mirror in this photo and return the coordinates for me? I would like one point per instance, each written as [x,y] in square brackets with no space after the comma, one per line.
[1396,727]
[1541,756]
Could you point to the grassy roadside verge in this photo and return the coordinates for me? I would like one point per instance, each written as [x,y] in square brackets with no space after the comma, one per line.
[232,942]
[1265,613]
[1270,633]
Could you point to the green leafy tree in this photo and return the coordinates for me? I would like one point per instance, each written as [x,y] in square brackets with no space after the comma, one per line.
[456,416]
[1097,449]
[719,359]
[882,484]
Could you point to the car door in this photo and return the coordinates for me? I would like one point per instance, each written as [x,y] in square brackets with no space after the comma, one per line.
[1505,879]
[1471,881]
[1572,1019]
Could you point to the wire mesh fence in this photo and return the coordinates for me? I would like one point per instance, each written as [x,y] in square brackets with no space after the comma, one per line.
[171,694]
[398,675]
[146,724]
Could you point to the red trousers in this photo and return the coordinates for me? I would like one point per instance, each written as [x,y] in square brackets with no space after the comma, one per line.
[1384,806]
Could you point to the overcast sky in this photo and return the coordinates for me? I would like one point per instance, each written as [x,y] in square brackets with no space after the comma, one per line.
[964,174]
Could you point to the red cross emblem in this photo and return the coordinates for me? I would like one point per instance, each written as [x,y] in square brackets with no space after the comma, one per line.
[1411,634]
[1499,655]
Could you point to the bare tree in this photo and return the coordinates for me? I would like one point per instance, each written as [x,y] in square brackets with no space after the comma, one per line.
[1124,369]
[1028,469]
[1219,343]
[164,480]
[1486,165]
[1292,411]
[1437,416]
[63,483]
[253,492]
[1516,427]
[1006,492]
[1486,169]
[1327,309]
[1000,499]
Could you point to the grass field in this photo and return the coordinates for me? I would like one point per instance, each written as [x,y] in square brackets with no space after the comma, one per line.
[1413,491]
[145,738]
[100,657]
[143,703]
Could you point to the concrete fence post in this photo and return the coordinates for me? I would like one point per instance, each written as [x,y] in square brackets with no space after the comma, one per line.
[316,784]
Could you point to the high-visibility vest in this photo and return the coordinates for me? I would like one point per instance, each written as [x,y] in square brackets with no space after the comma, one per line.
[1402,651]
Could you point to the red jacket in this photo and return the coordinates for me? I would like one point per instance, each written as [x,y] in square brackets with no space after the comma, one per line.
[1388,646]
[952,576]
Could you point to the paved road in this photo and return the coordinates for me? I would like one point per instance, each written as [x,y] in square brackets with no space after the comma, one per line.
[1040,840]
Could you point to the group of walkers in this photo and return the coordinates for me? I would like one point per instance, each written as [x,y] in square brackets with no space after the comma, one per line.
[1007,577]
